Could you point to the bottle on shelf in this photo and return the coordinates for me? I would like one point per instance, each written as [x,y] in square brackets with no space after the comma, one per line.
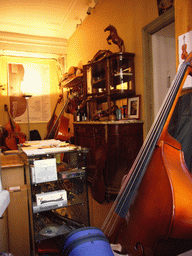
[79,117]
[84,114]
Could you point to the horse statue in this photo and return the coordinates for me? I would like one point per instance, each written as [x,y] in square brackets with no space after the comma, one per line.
[113,36]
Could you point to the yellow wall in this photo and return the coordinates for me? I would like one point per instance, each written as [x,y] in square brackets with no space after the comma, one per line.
[129,17]
[4,99]
[183,19]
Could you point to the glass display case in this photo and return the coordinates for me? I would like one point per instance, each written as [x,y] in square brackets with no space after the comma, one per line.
[59,196]
[110,78]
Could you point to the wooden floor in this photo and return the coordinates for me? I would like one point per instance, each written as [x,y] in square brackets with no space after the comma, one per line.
[189,253]
[98,213]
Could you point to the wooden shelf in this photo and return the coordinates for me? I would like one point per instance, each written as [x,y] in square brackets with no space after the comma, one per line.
[72,82]
[104,78]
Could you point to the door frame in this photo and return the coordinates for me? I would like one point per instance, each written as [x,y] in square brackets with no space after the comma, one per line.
[147,32]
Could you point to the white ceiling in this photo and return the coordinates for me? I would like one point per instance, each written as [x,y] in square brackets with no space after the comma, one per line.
[49,18]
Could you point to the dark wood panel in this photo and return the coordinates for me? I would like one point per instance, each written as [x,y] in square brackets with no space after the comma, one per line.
[122,142]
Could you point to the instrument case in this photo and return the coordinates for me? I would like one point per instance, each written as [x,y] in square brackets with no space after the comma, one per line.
[87,241]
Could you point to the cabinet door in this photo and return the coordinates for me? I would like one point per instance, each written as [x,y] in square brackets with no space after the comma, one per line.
[124,143]
[122,72]
[84,137]
[95,77]
[99,135]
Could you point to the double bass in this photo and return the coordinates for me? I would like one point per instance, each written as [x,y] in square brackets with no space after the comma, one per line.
[152,214]
[15,136]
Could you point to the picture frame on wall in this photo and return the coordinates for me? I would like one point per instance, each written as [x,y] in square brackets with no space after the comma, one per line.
[164,5]
[134,106]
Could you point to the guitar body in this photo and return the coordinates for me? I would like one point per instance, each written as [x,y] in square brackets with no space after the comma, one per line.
[62,131]
[14,136]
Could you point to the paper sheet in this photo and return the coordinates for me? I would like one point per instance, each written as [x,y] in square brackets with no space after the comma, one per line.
[45,170]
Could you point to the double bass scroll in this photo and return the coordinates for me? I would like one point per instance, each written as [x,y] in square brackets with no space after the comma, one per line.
[155,200]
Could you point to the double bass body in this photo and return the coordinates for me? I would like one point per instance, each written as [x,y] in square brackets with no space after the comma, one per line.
[152,214]
[162,208]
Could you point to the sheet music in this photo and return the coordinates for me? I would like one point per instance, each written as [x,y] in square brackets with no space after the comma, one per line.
[45,170]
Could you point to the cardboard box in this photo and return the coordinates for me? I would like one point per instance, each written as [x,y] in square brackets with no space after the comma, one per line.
[18,221]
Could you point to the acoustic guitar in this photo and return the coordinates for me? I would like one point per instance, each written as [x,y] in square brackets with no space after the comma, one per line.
[54,130]
[53,117]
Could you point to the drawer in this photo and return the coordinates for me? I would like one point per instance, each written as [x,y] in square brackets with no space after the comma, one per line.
[84,129]
[99,129]
[123,129]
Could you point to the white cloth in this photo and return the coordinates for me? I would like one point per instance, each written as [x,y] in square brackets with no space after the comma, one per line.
[4,201]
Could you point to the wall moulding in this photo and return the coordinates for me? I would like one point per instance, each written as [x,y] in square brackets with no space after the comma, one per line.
[28,43]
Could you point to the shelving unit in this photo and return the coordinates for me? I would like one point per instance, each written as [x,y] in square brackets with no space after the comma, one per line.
[110,78]
[59,204]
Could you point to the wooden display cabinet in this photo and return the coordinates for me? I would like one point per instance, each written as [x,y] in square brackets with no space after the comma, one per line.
[110,78]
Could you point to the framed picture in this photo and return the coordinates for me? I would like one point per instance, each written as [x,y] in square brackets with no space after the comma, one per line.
[164,5]
[134,107]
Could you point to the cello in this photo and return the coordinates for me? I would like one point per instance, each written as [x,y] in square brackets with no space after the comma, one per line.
[15,136]
[152,214]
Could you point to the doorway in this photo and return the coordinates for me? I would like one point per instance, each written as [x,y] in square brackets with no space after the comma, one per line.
[164,63]
[147,33]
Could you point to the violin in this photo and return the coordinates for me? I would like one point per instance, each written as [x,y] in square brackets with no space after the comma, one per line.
[152,214]
[15,136]
[53,117]
[184,50]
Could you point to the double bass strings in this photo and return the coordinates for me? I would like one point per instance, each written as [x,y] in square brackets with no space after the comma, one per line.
[124,197]
[128,190]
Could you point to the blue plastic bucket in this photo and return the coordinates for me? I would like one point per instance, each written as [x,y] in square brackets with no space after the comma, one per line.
[87,241]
